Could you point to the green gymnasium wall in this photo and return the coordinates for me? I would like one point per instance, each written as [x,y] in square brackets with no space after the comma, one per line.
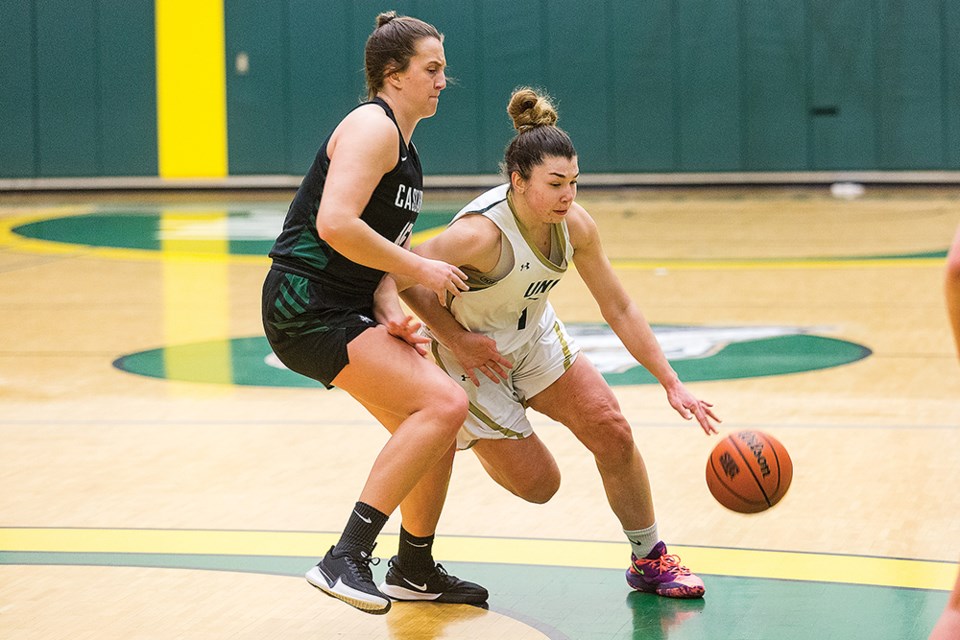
[77,88]
[675,86]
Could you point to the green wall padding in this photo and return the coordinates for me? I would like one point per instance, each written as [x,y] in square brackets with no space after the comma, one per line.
[843,85]
[68,75]
[774,76]
[707,75]
[951,73]
[95,90]
[677,86]
[128,89]
[18,78]
[256,32]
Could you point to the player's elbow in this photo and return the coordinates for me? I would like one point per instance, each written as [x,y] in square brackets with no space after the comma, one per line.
[330,230]
[619,311]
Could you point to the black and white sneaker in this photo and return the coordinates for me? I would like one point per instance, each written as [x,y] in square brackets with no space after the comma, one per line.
[436,586]
[347,577]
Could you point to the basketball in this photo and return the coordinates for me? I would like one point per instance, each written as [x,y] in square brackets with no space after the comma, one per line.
[749,471]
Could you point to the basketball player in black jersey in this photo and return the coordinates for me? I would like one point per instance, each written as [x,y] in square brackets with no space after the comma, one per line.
[349,224]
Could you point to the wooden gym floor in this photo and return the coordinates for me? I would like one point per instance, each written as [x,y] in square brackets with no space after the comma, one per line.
[162,479]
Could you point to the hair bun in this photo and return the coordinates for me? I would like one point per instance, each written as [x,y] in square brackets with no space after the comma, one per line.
[530,109]
[385,17]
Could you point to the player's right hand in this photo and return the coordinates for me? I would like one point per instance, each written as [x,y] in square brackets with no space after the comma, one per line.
[442,278]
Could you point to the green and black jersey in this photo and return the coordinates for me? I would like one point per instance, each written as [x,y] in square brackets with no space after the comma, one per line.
[391,212]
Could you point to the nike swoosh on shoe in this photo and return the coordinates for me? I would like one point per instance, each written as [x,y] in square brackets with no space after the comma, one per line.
[418,587]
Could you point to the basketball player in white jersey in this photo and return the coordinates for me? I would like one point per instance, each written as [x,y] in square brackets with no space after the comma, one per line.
[948,625]
[514,243]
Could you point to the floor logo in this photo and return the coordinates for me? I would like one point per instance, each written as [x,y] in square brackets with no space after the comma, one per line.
[241,231]
[696,352]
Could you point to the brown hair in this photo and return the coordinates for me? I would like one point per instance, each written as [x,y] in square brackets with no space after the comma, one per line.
[391,45]
[535,119]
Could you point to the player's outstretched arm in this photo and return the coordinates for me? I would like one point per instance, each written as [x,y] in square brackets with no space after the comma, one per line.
[627,321]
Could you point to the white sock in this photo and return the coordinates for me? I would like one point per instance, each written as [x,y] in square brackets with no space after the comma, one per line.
[643,540]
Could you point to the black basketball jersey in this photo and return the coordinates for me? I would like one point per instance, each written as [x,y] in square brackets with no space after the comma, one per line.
[391,212]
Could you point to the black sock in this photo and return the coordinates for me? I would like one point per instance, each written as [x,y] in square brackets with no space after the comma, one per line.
[362,529]
[415,554]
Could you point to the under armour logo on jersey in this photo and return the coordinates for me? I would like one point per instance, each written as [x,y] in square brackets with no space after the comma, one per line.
[524,266]
[366,319]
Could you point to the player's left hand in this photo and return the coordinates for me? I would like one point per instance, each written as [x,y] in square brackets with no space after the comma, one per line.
[408,330]
[475,351]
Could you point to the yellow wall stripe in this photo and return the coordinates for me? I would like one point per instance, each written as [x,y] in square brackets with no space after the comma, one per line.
[191,89]
[748,563]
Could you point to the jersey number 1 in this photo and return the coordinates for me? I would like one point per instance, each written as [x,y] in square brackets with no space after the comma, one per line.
[522,322]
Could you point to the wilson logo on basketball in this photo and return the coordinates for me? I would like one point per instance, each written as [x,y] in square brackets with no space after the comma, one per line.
[729,465]
[756,447]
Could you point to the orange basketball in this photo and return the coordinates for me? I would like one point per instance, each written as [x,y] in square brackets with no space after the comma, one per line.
[749,471]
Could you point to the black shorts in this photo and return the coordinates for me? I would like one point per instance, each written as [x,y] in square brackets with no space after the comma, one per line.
[309,326]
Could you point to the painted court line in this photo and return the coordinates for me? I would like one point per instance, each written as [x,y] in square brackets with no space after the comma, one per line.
[9,238]
[747,563]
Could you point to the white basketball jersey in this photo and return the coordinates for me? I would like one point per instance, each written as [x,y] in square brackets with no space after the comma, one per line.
[510,308]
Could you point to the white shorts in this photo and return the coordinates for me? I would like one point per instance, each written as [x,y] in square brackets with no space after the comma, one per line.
[498,411]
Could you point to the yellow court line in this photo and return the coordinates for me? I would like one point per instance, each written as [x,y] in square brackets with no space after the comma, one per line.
[44,213]
[8,238]
[726,264]
[776,263]
[53,247]
[747,563]
[422,236]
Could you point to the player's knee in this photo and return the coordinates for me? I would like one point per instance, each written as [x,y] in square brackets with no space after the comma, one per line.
[450,404]
[613,444]
[540,489]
